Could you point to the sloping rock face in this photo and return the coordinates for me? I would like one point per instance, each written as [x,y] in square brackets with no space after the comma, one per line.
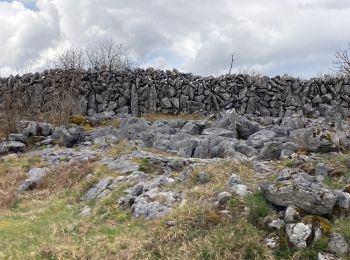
[34,176]
[148,90]
[303,191]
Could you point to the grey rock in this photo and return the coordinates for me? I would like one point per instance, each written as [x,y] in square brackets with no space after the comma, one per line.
[322,169]
[105,140]
[18,137]
[134,100]
[288,149]
[97,189]
[148,210]
[170,196]
[298,234]
[11,147]
[271,151]
[246,150]
[99,132]
[137,190]
[326,256]
[307,139]
[239,189]
[219,132]
[228,122]
[47,141]
[68,137]
[122,166]
[170,223]
[343,199]
[32,129]
[85,212]
[46,129]
[35,175]
[166,103]
[293,122]
[193,128]
[223,198]
[135,129]
[245,127]
[76,135]
[203,177]
[303,191]
[277,224]
[258,139]
[126,201]
[233,180]
[272,242]
[337,244]
[291,214]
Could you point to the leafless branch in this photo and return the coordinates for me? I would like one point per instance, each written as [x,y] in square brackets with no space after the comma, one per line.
[71,58]
[232,59]
[342,61]
[108,54]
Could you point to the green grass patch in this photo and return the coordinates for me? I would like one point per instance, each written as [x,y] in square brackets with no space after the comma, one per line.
[258,207]
[311,252]
[342,225]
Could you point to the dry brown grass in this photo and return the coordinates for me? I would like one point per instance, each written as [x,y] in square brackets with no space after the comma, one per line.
[66,176]
[121,148]
[161,116]
[9,183]
[12,171]
[219,173]
[14,110]
[200,230]
[17,107]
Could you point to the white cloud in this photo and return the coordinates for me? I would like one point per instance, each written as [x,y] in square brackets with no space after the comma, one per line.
[295,37]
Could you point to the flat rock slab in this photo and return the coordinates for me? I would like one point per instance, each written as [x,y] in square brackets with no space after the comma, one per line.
[148,210]
[219,132]
[122,166]
[35,175]
[11,147]
[97,189]
[303,191]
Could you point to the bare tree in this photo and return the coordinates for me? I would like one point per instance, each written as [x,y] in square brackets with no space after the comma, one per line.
[105,54]
[108,54]
[342,61]
[71,58]
[232,59]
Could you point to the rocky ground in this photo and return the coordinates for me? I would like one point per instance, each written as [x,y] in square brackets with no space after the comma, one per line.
[176,187]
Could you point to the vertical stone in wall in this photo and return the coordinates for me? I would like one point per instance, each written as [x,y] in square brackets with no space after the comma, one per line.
[251,106]
[134,102]
[92,102]
[36,98]
[215,102]
[152,99]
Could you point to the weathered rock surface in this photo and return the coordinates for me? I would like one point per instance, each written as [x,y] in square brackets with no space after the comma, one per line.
[11,147]
[35,175]
[149,210]
[337,244]
[97,189]
[122,166]
[303,191]
[298,234]
[143,91]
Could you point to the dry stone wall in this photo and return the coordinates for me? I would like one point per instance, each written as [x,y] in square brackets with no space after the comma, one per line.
[148,90]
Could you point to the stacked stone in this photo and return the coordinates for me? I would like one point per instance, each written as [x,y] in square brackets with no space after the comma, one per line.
[148,90]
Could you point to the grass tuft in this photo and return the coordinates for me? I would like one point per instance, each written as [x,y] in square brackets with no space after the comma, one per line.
[152,117]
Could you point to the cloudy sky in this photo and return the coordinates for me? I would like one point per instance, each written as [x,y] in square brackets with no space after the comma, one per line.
[297,37]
